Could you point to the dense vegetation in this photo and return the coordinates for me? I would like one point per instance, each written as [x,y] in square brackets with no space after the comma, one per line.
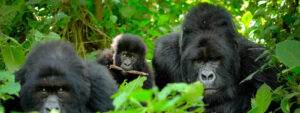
[90,25]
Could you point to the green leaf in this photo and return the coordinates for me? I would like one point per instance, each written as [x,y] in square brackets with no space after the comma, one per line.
[295,69]
[285,105]
[1,108]
[127,11]
[60,15]
[259,12]
[10,88]
[120,100]
[113,19]
[52,36]
[288,53]
[254,110]
[194,92]
[163,19]
[247,18]
[297,110]
[54,111]
[13,56]
[142,95]
[263,98]
[92,55]
[9,85]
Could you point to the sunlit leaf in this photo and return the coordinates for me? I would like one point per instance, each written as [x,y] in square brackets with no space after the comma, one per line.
[247,18]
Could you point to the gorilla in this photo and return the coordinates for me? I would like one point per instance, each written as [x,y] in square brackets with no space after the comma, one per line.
[210,50]
[55,77]
[128,52]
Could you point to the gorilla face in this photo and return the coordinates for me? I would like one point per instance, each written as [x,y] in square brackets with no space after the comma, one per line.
[128,60]
[53,77]
[46,89]
[212,58]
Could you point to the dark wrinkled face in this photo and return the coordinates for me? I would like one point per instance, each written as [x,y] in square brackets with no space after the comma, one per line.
[45,90]
[128,60]
[53,93]
[211,58]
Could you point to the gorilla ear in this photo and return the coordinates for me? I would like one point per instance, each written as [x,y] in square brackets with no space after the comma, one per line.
[20,75]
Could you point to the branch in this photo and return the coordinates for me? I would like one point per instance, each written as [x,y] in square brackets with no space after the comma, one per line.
[128,71]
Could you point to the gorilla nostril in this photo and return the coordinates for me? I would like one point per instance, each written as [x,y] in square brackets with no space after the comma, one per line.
[48,109]
[211,76]
[203,77]
[207,77]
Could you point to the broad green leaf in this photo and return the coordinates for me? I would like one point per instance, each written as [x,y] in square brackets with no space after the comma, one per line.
[263,98]
[288,52]
[120,100]
[194,92]
[295,69]
[162,95]
[9,85]
[142,95]
[10,88]
[159,105]
[13,56]
[171,103]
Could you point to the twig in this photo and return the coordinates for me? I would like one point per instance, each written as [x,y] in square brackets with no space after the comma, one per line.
[128,71]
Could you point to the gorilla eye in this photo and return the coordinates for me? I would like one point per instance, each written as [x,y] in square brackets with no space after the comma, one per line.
[44,90]
[60,90]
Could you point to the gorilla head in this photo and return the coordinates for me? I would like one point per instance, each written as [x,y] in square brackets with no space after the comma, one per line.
[53,78]
[209,51]
[129,51]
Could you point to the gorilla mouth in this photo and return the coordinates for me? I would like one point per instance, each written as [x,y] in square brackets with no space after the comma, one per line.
[209,91]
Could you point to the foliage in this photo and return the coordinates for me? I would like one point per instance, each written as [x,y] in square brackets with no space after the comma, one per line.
[176,97]
[8,87]
[91,24]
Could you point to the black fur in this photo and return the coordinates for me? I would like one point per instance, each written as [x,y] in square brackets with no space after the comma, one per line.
[129,43]
[90,84]
[210,29]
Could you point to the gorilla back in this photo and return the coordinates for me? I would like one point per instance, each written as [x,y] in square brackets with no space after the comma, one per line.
[55,77]
[210,50]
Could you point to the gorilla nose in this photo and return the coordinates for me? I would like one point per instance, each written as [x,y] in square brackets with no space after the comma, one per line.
[207,76]
[48,109]
[52,103]
[127,64]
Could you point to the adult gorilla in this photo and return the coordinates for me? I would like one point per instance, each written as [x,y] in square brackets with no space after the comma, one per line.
[210,50]
[55,77]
